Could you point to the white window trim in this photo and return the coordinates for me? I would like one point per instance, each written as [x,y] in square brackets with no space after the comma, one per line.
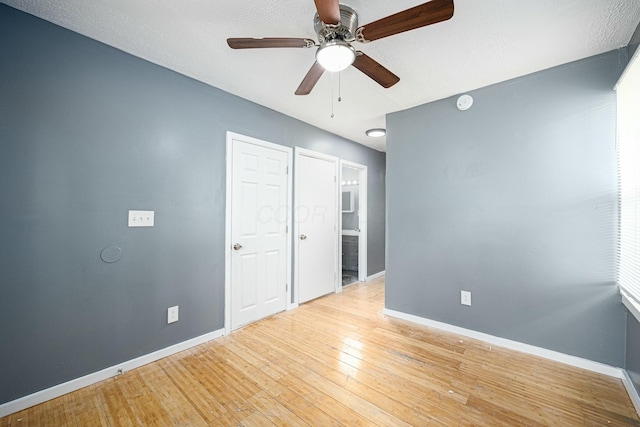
[630,301]
[632,306]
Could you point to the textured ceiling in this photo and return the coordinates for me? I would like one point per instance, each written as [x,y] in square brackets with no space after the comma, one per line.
[484,43]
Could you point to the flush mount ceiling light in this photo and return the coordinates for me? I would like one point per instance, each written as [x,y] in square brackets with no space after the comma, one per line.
[335,55]
[376,133]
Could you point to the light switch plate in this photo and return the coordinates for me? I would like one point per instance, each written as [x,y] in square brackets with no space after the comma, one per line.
[172,314]
[141,218]
[465,297]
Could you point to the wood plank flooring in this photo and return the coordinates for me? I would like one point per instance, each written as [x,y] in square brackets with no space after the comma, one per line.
[338,361]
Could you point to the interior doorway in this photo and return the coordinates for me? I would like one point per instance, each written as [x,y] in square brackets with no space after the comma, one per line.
[353,222]
[258,246]
[316,219]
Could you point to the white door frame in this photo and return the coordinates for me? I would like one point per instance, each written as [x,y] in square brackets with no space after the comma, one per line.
[336,161]
[362,216]
[227,239]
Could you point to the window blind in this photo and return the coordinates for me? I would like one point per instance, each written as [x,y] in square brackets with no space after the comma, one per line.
[628,150]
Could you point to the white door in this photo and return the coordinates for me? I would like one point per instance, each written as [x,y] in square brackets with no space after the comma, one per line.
[316,225]
[259,223]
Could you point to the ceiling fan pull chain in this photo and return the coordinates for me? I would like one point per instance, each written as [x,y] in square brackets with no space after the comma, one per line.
[332,85]
[339,86]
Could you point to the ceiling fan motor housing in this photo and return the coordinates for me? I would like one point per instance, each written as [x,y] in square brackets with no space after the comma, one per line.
[346,30]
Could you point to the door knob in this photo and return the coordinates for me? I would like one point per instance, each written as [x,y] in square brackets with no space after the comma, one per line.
[303,237]
[237,247]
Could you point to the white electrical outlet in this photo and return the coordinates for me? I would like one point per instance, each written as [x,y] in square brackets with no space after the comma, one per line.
[465,297]
[141,218]
[172,314]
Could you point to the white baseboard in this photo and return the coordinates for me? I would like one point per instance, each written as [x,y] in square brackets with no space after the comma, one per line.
[375,276]
[87,380]
[567,359]
[631,390]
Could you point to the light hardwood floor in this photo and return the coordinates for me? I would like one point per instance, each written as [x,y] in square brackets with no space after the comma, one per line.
[339,361]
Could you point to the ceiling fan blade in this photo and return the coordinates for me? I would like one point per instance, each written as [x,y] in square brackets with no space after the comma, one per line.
[328,11]
[377,72]
[425,14]
[310,79]
[257,43]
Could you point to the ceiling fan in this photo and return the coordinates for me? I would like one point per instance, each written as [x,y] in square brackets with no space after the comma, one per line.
[337,27]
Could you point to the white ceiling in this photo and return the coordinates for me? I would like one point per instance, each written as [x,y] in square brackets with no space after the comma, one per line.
[484,43]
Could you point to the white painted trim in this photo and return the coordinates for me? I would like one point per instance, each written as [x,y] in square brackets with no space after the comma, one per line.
[627,69]
[567,359]
[377,275]
[290,230]
[298,151]
[227,235]
[363,194]
[87,380]
[631,305]
[631,390]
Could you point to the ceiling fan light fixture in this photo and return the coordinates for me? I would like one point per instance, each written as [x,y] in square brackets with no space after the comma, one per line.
[376,133]
[335,55]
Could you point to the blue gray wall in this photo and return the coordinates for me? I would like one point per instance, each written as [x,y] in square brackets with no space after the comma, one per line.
[634,42]
[514,200]
[88,132]
[633,350]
